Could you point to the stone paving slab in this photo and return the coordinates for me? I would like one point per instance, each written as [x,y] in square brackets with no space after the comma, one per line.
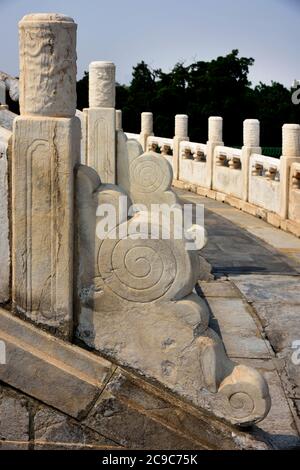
[259,325]
[281,322]
[279,424]
[218,289]
[238,330]
[241,243]
[231,250]
[276,300]
[233,319]
[280,239]
[65,376]
[275,288]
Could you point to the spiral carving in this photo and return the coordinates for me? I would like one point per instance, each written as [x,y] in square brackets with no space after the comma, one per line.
[137,270]
[241,405]
[150,174]
[246,394]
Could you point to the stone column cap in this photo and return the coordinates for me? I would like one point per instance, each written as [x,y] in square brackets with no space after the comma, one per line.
[102,63]
[291,126]
[47,18]
[251,121]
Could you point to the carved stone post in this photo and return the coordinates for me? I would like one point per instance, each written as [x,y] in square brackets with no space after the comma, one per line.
[46,147]
[2,93]
[119,126]
[101,120]
[251,145]
[5,157]
[215,138]
[146,129]
[81,116]
[290,154]
[181,135]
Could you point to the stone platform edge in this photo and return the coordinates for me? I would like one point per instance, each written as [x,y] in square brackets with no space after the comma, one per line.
[271,218]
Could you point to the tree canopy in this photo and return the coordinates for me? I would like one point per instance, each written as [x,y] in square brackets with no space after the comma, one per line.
[217,88]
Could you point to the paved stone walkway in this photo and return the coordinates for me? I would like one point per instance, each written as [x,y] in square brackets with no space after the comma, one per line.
[255,306]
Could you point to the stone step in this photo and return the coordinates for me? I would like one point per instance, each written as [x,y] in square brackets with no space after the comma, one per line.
[71,396]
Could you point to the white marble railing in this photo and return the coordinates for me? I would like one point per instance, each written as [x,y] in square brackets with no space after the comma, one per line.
[130,135]
[264,182]
[265,186]
[193,162]
[294,196]
[161,145]
[227,174]
[261,185]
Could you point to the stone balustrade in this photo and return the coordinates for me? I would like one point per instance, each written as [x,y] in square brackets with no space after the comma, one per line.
[130,135]
[193,162]
[294,193]
[161,146]
[227,174]
[258,184]
[264,182]
[106,289]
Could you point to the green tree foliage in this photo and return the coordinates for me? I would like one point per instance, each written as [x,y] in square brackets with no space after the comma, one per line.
[216,88]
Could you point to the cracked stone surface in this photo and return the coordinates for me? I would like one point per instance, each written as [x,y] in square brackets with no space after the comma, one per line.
[255,305]
[14,417]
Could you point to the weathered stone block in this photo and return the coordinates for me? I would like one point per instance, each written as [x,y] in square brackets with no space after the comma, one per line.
[53,427]
[5,150]
[274,219]
[45,151]
[14,416]
[233,201]
[293,227]
[202,191]
[220,197]
[47,65]
[61,375]
[139,415]
[101,142]
[248,208]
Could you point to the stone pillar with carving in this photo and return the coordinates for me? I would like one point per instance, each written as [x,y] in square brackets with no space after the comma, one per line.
[146,129]
[251,145]
[215,138]
[101,120]
[181,135]
[2,93]
[119,126]
[46,148]
[290,154]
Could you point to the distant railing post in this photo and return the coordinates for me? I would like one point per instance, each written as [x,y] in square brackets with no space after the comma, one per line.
[146,129]
[215,138]
[251,145]
[101,120]
[181,135]
[290,154]
[2,93]
[119,126]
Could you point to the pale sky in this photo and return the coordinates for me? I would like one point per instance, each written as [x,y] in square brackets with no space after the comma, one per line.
[163,32]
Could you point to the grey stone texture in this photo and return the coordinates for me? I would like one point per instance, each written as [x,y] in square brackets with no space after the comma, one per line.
[137,307]
[126,411]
